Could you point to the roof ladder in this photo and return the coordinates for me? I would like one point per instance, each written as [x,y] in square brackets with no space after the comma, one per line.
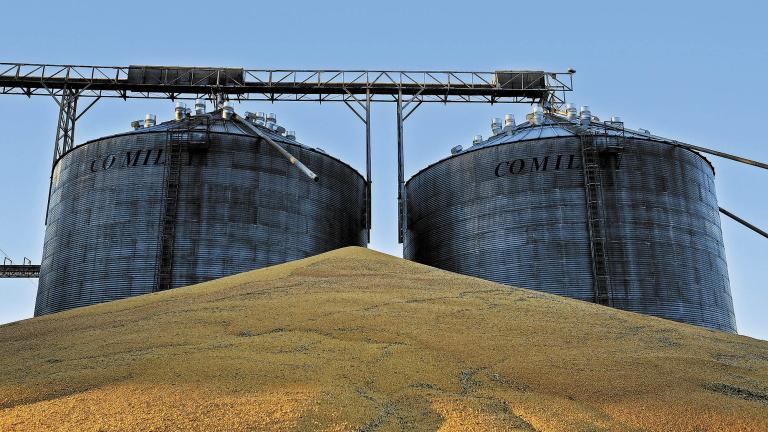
[595,219]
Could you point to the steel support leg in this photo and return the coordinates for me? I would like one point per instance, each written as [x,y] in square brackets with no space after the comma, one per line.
[402,115]
[401,204]
[368,182]
[366,119]
[65,133]
[65,130]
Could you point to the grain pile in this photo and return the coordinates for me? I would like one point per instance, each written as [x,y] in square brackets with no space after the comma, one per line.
[357,340]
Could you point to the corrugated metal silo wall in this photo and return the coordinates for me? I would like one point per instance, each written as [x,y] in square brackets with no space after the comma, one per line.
[101,238]
[502,214]
[241,207]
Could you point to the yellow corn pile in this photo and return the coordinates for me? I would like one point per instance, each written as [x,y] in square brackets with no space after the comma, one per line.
[354,340]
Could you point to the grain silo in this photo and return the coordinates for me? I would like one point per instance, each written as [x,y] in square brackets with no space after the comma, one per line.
[186,201]
[570,205]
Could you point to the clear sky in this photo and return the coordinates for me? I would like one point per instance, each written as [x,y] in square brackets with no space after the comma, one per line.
[688,72]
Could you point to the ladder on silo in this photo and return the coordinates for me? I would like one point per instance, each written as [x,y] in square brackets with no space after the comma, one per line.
[595,219]
[177,140]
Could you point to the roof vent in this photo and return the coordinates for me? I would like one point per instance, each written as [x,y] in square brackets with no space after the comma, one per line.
[477,139]
[571,113]
[227,111]
[271,118]
[150,120]
[136,124]
[290,134]
[538,115]
[199,107]
[320,150]
[496,126]
[180,111]
[258,118]
[457,149]
[509,121]
[585,115]
[616,122]
[644,131]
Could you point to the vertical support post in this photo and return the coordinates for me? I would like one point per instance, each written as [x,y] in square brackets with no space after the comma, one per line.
[366,119]
[65,130]
[65,133]
[368,162]
[401,204]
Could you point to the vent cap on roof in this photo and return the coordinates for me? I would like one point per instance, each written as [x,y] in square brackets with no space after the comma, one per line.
[585,115]
[150,120]
[199,107]
[509,121]
[227,111]
[571,113]
[496,126]
[180,111]
[615,122]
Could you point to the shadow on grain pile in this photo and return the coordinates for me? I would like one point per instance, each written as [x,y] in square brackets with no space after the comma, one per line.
[357,340]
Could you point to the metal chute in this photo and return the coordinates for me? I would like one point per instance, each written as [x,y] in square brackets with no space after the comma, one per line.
[719,154]
[743,222]
[291,158]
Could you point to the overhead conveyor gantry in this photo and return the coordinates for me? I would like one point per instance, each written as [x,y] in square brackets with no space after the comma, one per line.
[67,84]
[358,89]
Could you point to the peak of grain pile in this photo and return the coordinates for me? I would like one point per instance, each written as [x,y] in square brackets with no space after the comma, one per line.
[354,340]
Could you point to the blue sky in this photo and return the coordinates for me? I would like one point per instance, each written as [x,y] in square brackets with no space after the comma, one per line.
[691,73]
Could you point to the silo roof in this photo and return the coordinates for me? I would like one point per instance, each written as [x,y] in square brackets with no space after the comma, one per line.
[556,126]
[221,126]
[217,125]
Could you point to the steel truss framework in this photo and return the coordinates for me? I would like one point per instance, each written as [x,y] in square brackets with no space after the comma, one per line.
[172,82]
[355,88]
[19,271]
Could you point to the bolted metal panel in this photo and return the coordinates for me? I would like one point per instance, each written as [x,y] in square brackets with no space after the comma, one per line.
[514,212]
[241,207]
